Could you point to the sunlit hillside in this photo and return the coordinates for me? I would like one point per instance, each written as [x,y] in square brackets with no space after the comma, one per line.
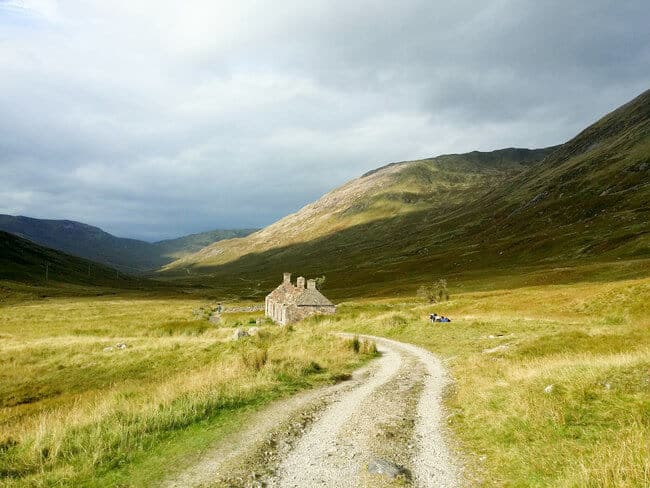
[585,200]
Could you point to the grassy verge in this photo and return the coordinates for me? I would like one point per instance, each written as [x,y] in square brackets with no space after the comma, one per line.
[552,382]
[76,410]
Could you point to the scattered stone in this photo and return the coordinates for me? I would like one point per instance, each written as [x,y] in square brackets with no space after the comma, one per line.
[239,333]
[384,468]
[121,345]
[499,348]
[548,389]
[108,349]
[251,308]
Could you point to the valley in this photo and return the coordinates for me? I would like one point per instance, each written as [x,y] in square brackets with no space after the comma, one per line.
[116,378]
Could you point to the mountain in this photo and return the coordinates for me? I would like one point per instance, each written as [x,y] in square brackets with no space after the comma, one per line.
[584,200]
[24,261]
[436,184]
[181,246]
[129,255]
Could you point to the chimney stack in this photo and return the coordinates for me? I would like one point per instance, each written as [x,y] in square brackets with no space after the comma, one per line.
[287,278]
[300,283]
[311,284]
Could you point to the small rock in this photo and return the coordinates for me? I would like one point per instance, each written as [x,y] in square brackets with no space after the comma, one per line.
[501,347]
[214,318]
[607,386]
[108,349]
[121,345]
[548,389]
[384,468]
[253,331]
[239,333]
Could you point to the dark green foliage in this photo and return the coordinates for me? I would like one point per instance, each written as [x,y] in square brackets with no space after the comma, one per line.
[355,344]
[320,282]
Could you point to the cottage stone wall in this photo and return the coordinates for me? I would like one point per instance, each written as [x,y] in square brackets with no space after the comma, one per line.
[298,313]
[291,303]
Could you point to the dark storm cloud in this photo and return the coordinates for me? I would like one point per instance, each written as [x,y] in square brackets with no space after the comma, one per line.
[154,119]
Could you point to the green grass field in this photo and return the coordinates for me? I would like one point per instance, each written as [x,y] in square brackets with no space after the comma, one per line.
[75,410]
[551,377]
[551,382]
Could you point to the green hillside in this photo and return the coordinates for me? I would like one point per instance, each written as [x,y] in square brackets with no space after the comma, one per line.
[129,255]
[435,185]
[181,246]
[583,201]
[23,261]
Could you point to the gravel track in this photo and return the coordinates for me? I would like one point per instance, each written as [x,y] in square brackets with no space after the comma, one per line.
[390,410]
[322,457]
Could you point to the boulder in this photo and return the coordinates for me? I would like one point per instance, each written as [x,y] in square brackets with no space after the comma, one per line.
[239,333]
[384,468]
[499,348]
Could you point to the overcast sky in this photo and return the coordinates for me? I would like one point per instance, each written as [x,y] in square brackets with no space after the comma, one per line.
[153,119]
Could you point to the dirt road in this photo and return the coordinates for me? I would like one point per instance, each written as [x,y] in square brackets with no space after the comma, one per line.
[382,428]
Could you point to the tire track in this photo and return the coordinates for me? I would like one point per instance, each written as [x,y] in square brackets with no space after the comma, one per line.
[392,409]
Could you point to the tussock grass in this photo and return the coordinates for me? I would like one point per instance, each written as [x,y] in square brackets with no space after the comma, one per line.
[588,342]
[76,410]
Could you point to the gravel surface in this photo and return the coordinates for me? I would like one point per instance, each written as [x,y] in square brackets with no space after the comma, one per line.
[328,455]
[389,414]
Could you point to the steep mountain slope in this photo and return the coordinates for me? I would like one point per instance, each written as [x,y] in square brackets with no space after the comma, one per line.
[130,255]
[435,185]
[182,246]
[587,200]
[85,241]
[24,261]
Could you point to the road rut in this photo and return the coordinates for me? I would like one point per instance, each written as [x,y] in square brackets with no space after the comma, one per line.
[390,412]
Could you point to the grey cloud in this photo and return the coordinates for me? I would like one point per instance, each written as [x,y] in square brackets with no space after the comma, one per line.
[156,119]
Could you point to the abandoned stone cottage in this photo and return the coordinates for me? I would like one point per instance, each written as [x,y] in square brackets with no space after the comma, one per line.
[290,303]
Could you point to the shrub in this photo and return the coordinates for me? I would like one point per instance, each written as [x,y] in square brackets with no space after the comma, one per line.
[320,282]
[361,346]
[355,344]
[435,292]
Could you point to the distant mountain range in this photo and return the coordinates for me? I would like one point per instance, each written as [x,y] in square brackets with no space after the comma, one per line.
[22,260]
[129,255]
[405,223]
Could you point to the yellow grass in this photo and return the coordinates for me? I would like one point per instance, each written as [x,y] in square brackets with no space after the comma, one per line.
[72,412]
[590,341]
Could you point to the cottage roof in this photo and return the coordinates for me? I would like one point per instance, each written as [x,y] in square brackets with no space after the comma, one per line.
[312,297]
[285,293]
